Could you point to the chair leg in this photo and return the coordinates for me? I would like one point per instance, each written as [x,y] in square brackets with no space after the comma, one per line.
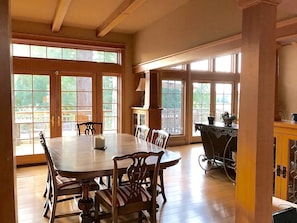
[46,185]
[45,208]
[162,186]
[115,216]
[139,216]
[101,180]
[54,205]
[48,198]
[153,218]
[108,181]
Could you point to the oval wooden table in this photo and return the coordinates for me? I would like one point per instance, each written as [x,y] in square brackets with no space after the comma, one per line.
[75,157]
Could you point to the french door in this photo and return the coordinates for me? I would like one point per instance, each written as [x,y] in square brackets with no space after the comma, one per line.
[52,103]
[74,100]
[211,99]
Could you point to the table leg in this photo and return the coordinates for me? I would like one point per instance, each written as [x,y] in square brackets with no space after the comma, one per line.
[85,204]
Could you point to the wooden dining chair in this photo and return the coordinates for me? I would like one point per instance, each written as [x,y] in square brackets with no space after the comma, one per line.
[92,128]
[59,186]
[160,138]
[89,128]
[133,196]
[142,132]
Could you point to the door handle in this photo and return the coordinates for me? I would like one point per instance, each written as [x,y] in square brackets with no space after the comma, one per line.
[53,121]
[284,172]
[59,121]
[278,170]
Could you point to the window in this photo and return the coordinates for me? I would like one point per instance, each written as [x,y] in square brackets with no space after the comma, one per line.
[110,103]
[53,101]
[76,102]
[202,65]
[31,111]
[201,103]
[239,63]
[214,91]
[172,104]
[176,67]
[34,51]
[223,63]
[223,99]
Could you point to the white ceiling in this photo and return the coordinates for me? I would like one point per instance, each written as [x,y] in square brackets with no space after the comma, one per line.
[92,14]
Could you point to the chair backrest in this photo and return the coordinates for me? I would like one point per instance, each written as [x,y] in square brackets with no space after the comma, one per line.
[160,138]
[142,165]
[49,161]
[142,132]
[89,128]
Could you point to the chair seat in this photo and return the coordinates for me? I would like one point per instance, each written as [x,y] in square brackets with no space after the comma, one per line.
[122,195]
[67,183]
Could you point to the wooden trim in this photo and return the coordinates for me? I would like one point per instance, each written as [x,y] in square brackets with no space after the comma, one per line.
[223,46]
[249,3]
[60,13]
[30,159]
[31,64]
[118,15]
[8,201]
[62,42]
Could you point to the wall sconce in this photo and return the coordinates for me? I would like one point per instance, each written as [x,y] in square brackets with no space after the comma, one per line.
[141,84]
[141,87]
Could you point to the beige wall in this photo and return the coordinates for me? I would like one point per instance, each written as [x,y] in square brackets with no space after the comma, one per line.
[287,81]
[188,27]
[85,34]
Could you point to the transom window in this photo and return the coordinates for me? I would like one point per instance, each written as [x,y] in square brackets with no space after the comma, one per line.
[230,63]
[202,65]
[223,64]
[48,52]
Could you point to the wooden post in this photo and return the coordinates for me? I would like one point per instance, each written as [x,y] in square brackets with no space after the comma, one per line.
[7,158]
[152,90]
[254,179]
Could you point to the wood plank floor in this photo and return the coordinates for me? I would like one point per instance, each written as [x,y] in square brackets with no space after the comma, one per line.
[192,195]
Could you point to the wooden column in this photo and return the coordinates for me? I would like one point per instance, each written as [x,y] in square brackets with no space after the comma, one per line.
[152,90]
[152,101]
[7,159]
[255,142]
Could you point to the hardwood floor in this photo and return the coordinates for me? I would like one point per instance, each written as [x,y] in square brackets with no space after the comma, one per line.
[192,195]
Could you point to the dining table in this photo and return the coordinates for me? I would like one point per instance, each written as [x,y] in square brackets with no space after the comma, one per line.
[76,157]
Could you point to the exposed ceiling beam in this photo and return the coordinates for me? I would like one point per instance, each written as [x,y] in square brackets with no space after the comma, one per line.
[126,8]
[60,13]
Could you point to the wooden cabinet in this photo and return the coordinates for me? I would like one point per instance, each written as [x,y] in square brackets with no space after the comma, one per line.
[285,165]
[139,117]
[150,117]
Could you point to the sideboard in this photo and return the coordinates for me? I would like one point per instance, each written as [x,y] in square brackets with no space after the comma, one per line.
[285,165]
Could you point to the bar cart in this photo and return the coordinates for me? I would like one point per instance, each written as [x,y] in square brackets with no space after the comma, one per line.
[220,147]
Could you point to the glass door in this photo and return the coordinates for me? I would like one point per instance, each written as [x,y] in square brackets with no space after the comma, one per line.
[76,103]
[201,104]
[31,106]
[51,103]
